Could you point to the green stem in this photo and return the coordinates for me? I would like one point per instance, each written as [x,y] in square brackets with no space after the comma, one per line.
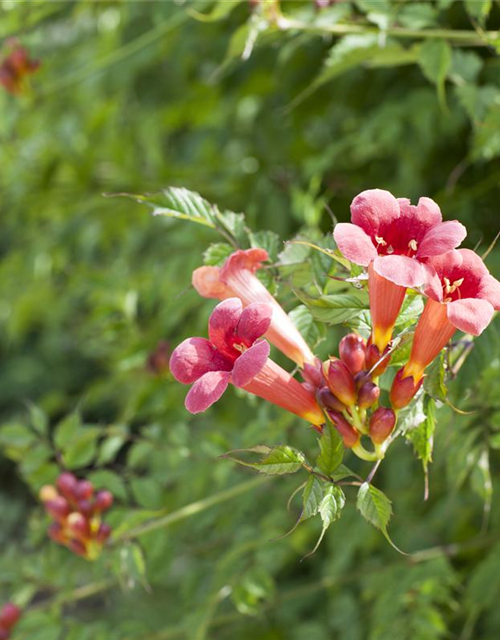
[362,453]
[458,36]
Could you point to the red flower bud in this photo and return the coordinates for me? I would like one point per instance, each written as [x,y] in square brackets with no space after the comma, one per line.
[362,377]
[78,525]
[341,382]
[4,634]
[373,356]
[58,508]
[329,401]
[86,508]
[77,547]
[9,615]
[403,389]
[352,352]
[103,501]
[84,490]
[381,424]
[313,374]
[56,533]
[103,533]
[67,483]
[349,435]
[368,394]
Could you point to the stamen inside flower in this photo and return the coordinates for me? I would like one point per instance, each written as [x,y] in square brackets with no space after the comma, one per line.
[381,241]
[450,288]
[413,245]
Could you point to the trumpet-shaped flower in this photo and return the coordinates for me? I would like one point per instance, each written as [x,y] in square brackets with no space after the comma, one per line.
[393,238]
[462,295]
[236,278]
[234,354]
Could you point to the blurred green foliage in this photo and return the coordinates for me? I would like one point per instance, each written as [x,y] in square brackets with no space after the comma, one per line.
[133,97]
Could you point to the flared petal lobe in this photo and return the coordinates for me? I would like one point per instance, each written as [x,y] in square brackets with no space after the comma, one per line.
[193,358]
[400,270]
[250,363]
[441,238]
[470,315]
[354,243]
[254,322]
[207,390]
[206,281]
[373,210]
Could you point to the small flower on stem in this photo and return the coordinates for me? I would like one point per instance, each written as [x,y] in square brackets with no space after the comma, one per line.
[236,278]
[15,67]
[393,239]
[77,512]
[234,354]
[382,423]
[461,295]
[341,381]
[9,616]
[352,352]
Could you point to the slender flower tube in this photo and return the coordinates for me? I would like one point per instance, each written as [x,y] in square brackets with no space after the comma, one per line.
[234,354]
[462,295]
[393,238]
[236,278]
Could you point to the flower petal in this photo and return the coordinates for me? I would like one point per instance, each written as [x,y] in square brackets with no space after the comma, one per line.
[250,259]
[433,287]
[470,315]
[489,289]
[441,238]
[222,326]
[250,363]
[374,208]
[401,270]
[254,322]
[207,390]
[354,243]
[206,281]
[193,358]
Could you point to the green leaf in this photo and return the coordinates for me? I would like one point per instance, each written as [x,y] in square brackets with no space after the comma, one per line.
[82,449]
[267,240]
[177,202]
[104,479]
[217,253]
[481,479]
[277,461]
[422,436]
[147,492]
[39,420]
[109,448]
[333,309]
[312,497]
[478,9]
[435,61]
[16,439]
[332,450]
[376,508]
[330,509]
[465,66]
[434,380]
[304,321]
[67,429]
[410,417]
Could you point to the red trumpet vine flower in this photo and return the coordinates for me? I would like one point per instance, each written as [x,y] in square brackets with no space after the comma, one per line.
[462,295]
[236,278]
[9,616]
[393,238]
[15,67]
[234,354]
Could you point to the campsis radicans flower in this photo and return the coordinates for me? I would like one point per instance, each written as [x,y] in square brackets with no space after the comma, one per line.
[394,239]
[77,513]
[236,278]
[382,423]
[15,67]
[9,616]
[461,295]
[235,354]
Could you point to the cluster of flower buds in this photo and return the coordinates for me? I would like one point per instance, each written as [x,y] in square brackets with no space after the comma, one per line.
[347,391]
[9,615]
[15,67]
[77,512]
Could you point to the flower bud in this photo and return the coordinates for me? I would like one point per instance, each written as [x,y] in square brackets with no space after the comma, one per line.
[403,389]
[9,615]
[56,533]
[313,373]
[373,356]
[67,483]
[4,634]
[48,492]
[329,401]
[78,525]
[77,547]
[58,508]
[86,508]
[349,435]
[381,424]
[84,490]
[341,382]
[368,394]
[352,352]
[103,533]
[103,501]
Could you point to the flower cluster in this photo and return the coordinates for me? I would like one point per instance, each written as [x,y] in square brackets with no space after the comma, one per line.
[77,513]
[15,67]
[402,246]
[9,615]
